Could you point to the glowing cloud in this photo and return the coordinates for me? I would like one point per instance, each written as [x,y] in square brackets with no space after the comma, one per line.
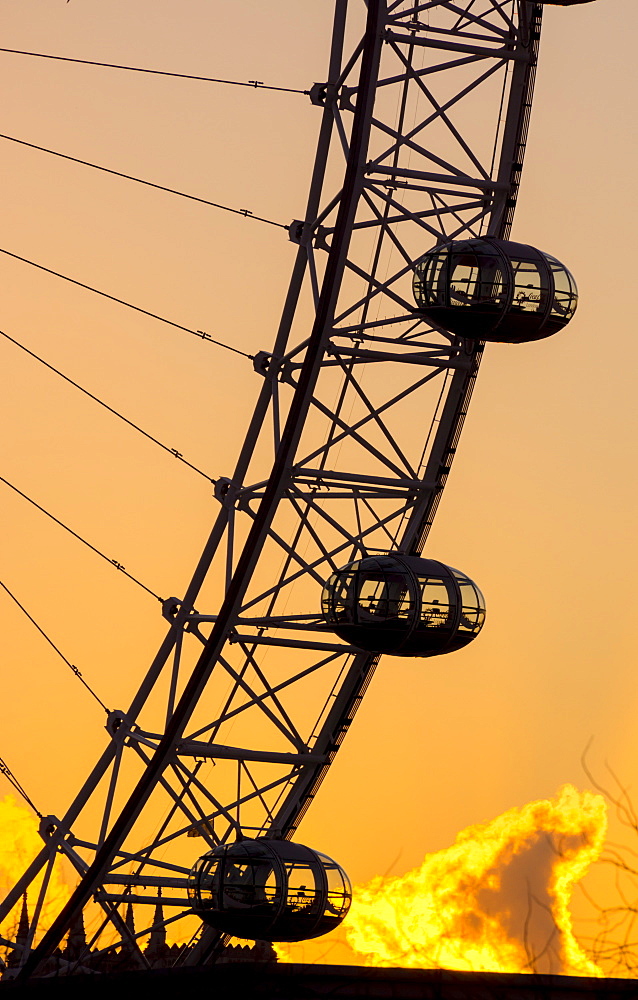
[496,901]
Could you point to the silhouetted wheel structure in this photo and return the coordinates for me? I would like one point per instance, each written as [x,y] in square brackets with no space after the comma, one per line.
[423,125]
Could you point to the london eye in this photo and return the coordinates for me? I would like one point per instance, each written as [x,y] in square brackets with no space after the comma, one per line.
[316,562]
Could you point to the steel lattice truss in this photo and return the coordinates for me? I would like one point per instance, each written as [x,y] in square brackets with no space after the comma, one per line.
[423,127]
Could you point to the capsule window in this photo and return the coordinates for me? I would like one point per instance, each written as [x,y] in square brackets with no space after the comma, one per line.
[383,598]
[472,605]
[248,885]
[206,871]
[303,895]
[464,280]
[472,614]
[565,295]
[476,282]
[529,291]
[430,280]
[238,885]
[342,594]
[339,893]
[435,603]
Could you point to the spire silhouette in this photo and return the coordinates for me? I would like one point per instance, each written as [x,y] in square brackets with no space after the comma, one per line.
[76,941]
[156,949]
[129,920]
[22,937]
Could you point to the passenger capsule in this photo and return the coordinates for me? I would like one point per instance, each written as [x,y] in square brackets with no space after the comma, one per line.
[403,605]
[495,290]
[269,890]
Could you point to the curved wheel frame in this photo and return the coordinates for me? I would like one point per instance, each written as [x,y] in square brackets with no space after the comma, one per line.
[329,471]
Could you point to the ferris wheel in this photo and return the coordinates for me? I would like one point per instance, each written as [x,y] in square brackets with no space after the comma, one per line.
[313,567]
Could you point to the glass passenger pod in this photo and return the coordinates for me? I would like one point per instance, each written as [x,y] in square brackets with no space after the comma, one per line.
[269,890]
[403,605]
[495,290]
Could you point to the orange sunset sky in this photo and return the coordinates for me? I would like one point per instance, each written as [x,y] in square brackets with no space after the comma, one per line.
[539,509]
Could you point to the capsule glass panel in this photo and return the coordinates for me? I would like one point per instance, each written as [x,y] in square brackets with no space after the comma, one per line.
[436,609]
[565,298]
[269,890]
[472,606]
[403,605]
[431,279]
[338,890]
[383,597]
[476,282]
[530,290]
[490,289]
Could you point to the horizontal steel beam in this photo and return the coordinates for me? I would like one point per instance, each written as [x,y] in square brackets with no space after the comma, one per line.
[154,881]
[263,640]
[343,478]
[484,51]
[424,175]
[215,751]
[420,358]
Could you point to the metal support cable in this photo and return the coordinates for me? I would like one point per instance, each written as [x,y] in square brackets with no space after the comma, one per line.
[72,666]
[172,451]
[139,180]
[11,778]
[255,84]
[145,312]
[113,562]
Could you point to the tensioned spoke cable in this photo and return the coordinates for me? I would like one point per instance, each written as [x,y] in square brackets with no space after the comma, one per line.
[255,84]
[129,305]
[11,778]
[139,180]
[172,451]
[113,562]
[72,666]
